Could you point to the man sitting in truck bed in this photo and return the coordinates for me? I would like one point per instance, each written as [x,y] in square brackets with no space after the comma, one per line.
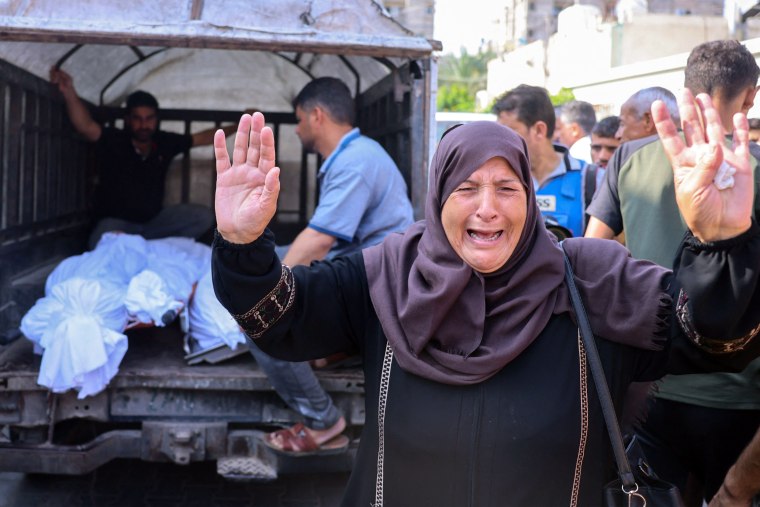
[363,198]
[132,168]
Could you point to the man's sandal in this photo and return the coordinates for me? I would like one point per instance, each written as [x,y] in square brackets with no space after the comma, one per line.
[296,441]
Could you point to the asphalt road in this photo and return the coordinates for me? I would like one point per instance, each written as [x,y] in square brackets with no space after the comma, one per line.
[127,483]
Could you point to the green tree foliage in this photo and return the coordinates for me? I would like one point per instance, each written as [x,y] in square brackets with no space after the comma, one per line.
[563,95]
[455,97]
[460,78]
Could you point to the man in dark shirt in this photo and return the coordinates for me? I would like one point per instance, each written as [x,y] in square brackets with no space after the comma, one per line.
[133,166]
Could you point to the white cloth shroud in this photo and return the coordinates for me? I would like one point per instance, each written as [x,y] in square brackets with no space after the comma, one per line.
[173,265]
[149,300]
[78,326]
[116,258]
[210,323]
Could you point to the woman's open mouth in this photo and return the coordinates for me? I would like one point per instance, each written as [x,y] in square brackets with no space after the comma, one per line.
[484,236]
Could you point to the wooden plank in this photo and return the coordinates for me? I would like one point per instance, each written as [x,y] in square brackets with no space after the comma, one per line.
[3,157]
[28,165]
[196,10]
[373,45]
[185,185]
[56,153]
[44,162]
[394,112]
[420,147]
[12,174]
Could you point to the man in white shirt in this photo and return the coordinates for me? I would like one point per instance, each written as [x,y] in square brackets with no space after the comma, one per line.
[574,124]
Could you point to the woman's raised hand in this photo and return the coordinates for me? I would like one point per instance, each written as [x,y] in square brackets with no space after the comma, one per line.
[714,183]
[247,189]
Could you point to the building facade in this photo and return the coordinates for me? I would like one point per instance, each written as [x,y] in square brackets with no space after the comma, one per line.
[415,15]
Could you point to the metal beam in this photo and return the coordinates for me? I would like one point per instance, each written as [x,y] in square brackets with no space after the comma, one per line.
[187,36]
[751,12]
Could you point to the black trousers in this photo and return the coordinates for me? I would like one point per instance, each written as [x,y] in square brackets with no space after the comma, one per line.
[692,446]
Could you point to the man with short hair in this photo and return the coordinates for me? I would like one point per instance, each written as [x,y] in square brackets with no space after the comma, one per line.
[363,198]
[556,175]
[603,146]
[574,125]
[754,130]
[604,141]
[133,164]
[635,130]
[555,136]
[635,117]
[696,425]
[362,195]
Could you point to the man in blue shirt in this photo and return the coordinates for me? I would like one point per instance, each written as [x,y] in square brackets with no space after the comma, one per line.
[556,175]
[363,197]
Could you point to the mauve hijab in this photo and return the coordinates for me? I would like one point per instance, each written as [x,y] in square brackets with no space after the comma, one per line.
[451,324]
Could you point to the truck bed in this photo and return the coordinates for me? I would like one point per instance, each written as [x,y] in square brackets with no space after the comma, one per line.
[156,408]
[155,358]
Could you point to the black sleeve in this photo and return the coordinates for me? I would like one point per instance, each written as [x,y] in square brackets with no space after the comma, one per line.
[299,314]
[715,290]
[720,280]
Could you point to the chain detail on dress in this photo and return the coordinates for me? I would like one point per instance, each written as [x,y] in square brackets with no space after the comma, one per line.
[710,345]
[383,399]
[385,379]
[584,423]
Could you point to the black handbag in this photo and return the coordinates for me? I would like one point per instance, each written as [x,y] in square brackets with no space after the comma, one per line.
[636,486]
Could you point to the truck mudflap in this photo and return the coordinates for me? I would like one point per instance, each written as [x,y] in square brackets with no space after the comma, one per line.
[240,454]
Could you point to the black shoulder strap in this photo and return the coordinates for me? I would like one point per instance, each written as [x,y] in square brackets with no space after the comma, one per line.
[597,374]
[565,153]
[589,183]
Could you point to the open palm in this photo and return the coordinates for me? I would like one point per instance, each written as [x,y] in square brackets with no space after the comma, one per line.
[246,189]
[711,213]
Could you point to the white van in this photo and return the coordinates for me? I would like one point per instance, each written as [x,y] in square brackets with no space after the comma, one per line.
[446,119]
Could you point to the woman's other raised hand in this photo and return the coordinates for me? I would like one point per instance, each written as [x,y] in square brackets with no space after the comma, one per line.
[714,183]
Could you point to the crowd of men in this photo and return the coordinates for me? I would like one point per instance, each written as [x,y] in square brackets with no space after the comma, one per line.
[611,179]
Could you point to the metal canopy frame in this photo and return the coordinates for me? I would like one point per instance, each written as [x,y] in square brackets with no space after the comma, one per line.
[295,61]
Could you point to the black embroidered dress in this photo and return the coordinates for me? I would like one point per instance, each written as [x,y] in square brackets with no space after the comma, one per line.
[533,434]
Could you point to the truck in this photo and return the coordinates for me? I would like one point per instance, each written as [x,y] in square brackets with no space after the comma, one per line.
[206,61]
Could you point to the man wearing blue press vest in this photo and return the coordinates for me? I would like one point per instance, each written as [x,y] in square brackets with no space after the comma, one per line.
[556,175]
[362,199]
